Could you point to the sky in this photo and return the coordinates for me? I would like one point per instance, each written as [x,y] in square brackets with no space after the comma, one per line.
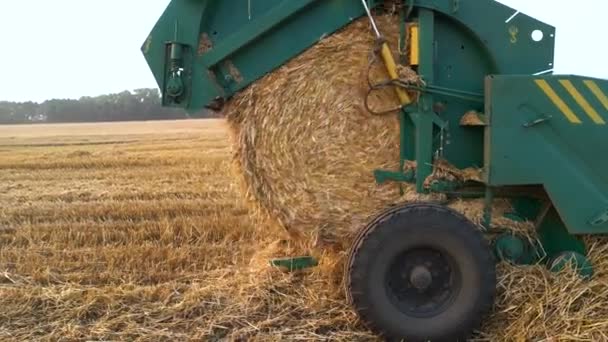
[73,48]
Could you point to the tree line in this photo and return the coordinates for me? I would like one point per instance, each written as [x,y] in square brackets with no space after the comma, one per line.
[140,104]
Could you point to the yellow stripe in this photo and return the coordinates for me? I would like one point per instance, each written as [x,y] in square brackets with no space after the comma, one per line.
[582,102]
[597,92]
[558,101]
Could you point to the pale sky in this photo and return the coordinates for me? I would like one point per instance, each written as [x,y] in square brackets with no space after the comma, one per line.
[72,48]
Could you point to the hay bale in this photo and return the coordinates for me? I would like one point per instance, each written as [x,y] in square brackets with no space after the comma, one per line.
[306,147]
[305,144]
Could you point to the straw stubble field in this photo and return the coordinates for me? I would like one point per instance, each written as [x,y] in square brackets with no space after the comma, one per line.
[129,231]
[139,231]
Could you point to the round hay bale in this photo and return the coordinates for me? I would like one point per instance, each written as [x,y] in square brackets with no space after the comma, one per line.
[305,144]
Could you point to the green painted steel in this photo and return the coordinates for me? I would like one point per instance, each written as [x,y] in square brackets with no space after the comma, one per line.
[464,47]
[423,117]
[541,133]
[555,238]
[516,250]
[458,48]
[227,44]
[579,262]
[553,241]
[295,264]
[525,209]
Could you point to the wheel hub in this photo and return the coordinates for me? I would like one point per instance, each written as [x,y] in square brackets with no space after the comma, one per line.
[421,278]
[422,282]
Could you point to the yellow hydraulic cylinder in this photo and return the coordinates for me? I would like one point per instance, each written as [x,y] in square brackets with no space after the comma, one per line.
[414,32]
[388,59]
[391,68]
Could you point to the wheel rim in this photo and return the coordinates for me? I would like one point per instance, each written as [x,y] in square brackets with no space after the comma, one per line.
[423,282]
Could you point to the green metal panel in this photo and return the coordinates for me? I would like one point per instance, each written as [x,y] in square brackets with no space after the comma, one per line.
[505,34]
[295,264]
[555,239]
[579,262]
[423,117]
[548,130]
[458,48]
[179,23]
[515,249]
[473,39]
[229,44]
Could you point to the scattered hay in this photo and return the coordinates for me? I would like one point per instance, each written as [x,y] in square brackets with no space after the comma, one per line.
[307,147]
[536,305]
[472,118]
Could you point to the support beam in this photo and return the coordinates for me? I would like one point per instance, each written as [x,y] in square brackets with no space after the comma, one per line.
[423,119]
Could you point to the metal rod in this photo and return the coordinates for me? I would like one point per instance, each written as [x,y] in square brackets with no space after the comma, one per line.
[487,208]
[371,18]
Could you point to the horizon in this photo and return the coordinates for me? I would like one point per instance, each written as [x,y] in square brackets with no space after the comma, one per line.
[87,49]
[132,91]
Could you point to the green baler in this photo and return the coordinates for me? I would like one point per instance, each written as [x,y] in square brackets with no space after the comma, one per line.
[422,271]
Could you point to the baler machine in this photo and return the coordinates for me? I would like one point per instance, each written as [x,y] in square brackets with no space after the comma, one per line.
[488,99]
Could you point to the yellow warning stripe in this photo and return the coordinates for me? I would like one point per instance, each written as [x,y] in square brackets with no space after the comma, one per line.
[597,92]
[563,107]
[578,97]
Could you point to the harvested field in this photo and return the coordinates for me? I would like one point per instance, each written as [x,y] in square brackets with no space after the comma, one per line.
[139,231]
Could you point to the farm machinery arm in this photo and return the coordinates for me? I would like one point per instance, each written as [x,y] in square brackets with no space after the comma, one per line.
[487,100]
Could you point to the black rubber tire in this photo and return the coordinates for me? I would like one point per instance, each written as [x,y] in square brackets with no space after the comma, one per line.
[399,229]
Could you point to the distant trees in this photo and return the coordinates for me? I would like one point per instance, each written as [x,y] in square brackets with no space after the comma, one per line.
[140,104]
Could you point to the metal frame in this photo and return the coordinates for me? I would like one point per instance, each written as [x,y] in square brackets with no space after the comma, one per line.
[204,51]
